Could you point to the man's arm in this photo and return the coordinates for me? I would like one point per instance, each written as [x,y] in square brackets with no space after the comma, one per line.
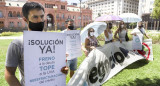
[146,36]
[133,34]
[10,76]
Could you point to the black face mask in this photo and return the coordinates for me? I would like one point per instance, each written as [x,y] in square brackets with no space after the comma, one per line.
[36,26]
[71,27]
[141,26]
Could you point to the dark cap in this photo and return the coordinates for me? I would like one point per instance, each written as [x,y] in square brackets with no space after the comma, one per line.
[67,20]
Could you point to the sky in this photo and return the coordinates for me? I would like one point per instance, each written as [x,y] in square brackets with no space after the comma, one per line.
[74,1]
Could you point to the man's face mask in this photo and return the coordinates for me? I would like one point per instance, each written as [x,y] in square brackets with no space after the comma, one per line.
[36,26]
[71,27]
[140,26]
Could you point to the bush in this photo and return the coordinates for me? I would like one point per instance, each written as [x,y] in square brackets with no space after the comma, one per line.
[54,31]
[154,36]
[57,31]
[11,33]
[101,37]
[79,29]
[7,33]
[114,29]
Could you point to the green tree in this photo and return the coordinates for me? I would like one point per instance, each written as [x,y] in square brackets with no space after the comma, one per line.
[156,9]
[132,24]
[99,14]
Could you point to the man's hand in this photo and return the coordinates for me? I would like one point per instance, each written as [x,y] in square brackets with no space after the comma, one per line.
[120,41]
[146,36]
[67,55]
[86,52]
[134,34]
[10,76]
[64,70]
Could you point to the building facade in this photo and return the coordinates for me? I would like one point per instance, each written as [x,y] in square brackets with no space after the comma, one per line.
[56,12]
[112,7]
[147,6]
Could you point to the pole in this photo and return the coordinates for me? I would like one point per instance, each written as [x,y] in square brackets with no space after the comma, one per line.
[157,25]
[55,21]
[151,25]
[80,16]
[154,25]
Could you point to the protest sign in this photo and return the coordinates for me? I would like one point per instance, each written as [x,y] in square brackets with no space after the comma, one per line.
[137,42]
[73,42]
[104,62]
[44,56]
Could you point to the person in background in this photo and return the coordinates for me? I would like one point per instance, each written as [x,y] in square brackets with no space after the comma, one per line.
[108,33]
[122,32]
[34,16]
[140,29]
[71,63]
[91,41]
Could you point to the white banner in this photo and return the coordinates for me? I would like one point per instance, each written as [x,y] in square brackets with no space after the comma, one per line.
[104,62]
[73,42]
[44,56]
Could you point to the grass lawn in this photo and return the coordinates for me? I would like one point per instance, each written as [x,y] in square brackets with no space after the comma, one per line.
[3,49]
[139,73]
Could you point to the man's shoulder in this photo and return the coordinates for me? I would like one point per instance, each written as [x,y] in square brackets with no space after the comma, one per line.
[135,29]
[64,30]
[142,28]
[18,42]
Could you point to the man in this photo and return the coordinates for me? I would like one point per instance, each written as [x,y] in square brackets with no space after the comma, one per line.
[34,16]
[71,63]
[141,29]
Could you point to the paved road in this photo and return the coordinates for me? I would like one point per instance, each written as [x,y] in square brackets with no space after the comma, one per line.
[10,37]
[154,32]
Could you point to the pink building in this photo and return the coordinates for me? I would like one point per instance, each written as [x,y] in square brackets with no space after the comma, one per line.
[11,14]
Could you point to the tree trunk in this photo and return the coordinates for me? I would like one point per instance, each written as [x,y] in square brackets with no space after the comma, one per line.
[157,25]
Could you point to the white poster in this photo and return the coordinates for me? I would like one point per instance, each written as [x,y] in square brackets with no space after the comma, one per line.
[137,42]
[44,56]
[104,62]
[73,42]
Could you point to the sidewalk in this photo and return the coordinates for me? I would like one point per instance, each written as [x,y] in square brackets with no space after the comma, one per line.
[154,31]
[10,37]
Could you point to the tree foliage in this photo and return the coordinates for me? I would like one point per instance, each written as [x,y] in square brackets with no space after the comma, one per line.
[156,9]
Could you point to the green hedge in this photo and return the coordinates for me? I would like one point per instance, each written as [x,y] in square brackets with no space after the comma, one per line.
[7,33]
[54,31]
[11,33]
[154,36]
